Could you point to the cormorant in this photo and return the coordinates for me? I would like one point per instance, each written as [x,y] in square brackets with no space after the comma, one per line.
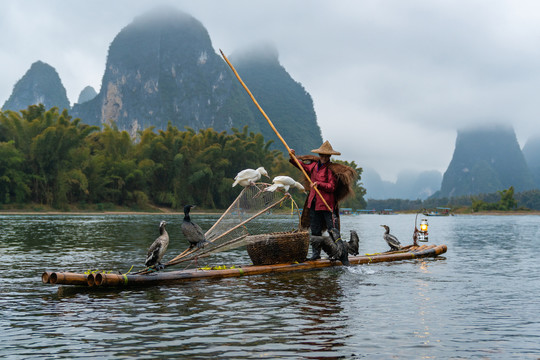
[158,248]
[192,231]
[284,183]
[249,176]
[353,243]
[391,240]
[333,245]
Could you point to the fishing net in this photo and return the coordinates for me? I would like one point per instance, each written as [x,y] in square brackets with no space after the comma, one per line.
[254,212]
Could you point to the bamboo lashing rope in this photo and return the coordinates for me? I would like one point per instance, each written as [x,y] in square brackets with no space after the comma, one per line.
[275,130]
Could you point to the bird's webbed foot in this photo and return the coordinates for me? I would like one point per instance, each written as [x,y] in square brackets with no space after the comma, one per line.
[202,244]
[160,266]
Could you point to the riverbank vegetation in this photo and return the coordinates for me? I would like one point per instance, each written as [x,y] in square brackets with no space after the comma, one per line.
[50,161]
[501,201]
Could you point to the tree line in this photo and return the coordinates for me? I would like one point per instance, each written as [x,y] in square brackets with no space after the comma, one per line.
[48,158]
[503,200]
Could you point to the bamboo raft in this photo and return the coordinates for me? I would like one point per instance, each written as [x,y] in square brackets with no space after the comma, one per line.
[171,277]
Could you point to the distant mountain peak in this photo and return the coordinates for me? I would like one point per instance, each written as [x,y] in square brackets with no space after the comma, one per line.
[87,94]
[162,68]
[41,84]
[486,159]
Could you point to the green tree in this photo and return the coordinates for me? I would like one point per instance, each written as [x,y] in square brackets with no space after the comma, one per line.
[13,180]
[507,201]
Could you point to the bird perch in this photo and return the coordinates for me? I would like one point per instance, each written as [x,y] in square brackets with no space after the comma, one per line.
[275,130]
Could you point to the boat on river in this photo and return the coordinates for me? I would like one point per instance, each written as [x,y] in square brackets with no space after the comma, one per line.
[439,211]
[101,280]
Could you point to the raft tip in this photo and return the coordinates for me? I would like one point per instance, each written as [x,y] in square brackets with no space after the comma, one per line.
[90,280]
[45,277]
[53,278]
[98,279]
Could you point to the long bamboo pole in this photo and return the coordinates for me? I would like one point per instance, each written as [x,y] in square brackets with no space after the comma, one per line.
[275,130]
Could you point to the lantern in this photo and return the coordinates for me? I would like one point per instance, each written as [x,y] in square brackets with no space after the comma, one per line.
[423,233]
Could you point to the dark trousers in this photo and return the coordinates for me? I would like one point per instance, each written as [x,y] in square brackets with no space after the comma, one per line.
[317,219]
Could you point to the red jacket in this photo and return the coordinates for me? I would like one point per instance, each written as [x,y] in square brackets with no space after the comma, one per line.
[326,184]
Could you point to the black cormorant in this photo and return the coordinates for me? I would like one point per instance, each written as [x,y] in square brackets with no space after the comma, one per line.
[192,231]
[391,240]
[158,248]
[353,243]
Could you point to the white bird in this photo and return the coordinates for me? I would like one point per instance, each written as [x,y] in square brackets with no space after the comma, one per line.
[283,183]
[249,176]
[158,248]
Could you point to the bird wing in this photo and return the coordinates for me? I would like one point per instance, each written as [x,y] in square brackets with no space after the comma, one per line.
[152,257]
[273,187]
[391,239]
[192,232]
[285,180]
[245,176]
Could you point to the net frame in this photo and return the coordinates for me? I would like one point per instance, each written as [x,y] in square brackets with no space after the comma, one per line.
[218,239]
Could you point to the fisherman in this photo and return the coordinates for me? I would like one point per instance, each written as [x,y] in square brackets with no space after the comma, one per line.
[334,182]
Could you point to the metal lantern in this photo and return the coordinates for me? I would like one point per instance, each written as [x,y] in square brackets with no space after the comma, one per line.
[423,233]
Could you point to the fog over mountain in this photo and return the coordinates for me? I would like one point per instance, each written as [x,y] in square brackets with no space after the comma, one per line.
[417,71]
[531,152]
[410,185]
[486,159]
[161,69]
[388,79]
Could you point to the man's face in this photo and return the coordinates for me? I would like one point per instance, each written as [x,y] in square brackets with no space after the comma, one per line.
[324,158]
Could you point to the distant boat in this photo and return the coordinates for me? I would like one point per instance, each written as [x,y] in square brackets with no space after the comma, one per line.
[439,211]
[365,211]
[387,212]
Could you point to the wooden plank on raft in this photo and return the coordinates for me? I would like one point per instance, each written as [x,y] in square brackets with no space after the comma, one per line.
[123,280]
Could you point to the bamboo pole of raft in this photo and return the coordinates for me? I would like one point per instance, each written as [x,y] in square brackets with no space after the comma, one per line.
[275,130]
[126,280]
[67,278]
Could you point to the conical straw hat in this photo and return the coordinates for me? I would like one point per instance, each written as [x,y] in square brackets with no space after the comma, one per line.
[326,149]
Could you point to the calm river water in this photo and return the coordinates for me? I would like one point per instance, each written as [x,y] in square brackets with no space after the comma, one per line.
[480,300]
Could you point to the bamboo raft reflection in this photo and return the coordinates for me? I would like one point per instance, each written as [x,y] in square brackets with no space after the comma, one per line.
[171,277]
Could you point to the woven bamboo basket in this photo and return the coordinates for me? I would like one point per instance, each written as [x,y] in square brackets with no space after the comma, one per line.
[278,247]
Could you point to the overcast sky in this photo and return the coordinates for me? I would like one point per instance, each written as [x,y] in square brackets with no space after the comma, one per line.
[391,81]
